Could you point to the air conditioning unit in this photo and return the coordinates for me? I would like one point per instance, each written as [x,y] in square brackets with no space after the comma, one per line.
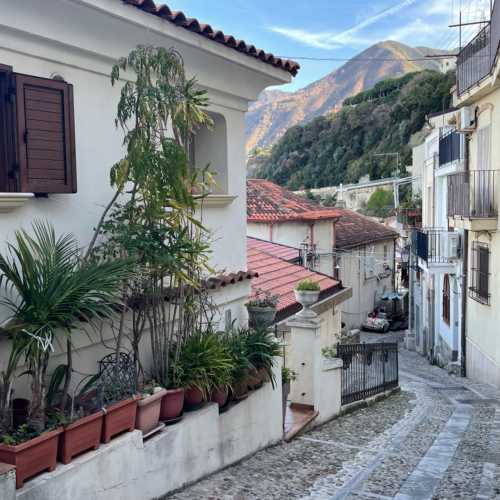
[466,119]
[453,246]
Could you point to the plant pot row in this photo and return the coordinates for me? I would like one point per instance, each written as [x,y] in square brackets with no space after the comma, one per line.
[41,453]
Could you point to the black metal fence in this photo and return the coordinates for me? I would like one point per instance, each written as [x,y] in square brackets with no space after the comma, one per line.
[476,59]
[472,194]
[369,369]
[431,245]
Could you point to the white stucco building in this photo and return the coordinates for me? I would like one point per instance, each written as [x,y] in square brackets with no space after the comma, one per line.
[438,276]
[59,138]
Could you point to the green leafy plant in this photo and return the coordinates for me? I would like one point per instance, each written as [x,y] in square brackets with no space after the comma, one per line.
[307,285]
[261,349]
[50,289]
[206,362]
[288,375]
[329,352]
[238,349]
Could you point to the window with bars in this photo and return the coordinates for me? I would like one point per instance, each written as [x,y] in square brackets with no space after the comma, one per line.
[480,273]
[446,299]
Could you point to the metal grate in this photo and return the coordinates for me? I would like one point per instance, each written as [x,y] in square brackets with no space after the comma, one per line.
[369,369]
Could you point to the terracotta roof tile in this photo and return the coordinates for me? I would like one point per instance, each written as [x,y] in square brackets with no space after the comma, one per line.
[216,282]
[280,277]
[267,202]
[179,19]
[284,252]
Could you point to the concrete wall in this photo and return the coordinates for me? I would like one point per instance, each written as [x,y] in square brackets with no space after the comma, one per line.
[7,482]
[202,443]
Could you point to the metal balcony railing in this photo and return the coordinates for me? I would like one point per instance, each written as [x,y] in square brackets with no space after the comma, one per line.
[450,147]
[471,194]
[436,246]
[476,59]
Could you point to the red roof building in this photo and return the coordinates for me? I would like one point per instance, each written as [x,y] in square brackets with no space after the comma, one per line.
[269,203]
[179,19]
[279,277]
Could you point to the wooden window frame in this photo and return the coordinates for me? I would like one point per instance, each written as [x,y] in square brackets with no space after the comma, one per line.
[8,159]
[479,289]
[446,299]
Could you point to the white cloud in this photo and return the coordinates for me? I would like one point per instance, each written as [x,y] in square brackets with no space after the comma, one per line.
[416,32]
[332,40]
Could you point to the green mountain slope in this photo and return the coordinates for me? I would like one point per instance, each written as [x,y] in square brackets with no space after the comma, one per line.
[276,111]
[340,148]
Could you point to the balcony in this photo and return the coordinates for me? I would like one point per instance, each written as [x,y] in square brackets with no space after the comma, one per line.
[476,59]
[436,249]
[472,201]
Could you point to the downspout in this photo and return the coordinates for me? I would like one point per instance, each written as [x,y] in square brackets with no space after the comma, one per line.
[394,265]
[465,264]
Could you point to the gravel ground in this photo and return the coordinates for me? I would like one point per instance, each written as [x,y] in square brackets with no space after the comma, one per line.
[439,438]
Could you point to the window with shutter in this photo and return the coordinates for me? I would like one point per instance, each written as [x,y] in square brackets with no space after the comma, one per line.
[480,273]
[45,135]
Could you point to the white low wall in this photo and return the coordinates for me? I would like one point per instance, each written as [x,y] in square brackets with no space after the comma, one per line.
[202,443]
[328,390]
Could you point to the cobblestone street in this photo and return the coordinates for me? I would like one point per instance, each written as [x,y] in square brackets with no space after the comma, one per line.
[439,438]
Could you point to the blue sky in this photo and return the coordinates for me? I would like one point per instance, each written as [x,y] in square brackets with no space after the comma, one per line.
[334,28]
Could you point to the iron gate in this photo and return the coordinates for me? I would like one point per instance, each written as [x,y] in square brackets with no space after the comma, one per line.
[368,369]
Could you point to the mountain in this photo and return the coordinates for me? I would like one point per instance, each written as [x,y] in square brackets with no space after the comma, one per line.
[341,147]
[276,111]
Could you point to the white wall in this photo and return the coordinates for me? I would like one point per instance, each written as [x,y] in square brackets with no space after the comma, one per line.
[202,443]
[80,40]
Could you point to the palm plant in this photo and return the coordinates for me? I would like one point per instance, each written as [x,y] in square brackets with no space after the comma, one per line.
[50,288]
[206,362]
[262,348]
[242,366]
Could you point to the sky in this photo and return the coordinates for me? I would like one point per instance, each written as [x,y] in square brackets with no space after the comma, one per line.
[335,29]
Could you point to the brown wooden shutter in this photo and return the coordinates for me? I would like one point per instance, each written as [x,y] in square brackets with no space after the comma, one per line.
[45,135]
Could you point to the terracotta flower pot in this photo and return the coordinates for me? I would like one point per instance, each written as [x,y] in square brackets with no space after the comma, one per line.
[263,375]
[172,404]
[193,398]
[253,380]
[33,456]
[240,390]
[220,396]
[148,412]
[118,418]
[82,435]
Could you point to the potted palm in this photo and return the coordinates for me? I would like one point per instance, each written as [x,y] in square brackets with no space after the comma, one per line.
[262,308]
[50,289]
[206,366]
[307,293]
[242,367]
[262,348]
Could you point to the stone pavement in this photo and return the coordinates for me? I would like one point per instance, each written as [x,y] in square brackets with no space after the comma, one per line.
[439,438]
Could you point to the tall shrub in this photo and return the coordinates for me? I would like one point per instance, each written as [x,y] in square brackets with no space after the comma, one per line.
[152,216]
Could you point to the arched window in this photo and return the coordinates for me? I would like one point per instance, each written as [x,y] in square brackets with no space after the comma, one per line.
[446,299]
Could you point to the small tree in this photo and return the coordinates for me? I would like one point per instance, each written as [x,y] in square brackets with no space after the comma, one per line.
[380,203]
[152,216]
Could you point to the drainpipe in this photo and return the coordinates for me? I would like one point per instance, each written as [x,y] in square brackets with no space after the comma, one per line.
[465,264]
[394,265]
